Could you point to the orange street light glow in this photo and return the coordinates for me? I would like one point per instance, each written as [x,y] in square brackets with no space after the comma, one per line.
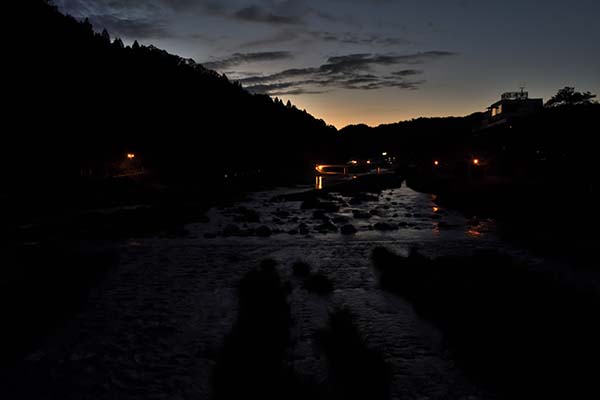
[436,163]
[476,161]
[130,156]
[368,161]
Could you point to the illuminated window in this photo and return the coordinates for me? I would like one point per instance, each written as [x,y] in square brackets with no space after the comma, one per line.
[497,110]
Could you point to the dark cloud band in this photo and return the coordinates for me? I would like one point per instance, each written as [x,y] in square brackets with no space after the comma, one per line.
[246,58]
[353,71]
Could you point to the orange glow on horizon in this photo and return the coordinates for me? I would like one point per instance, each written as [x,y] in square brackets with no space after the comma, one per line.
[130,156]
[476,161]
[387,107]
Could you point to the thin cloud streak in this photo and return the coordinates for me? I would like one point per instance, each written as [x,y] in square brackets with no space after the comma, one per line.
[353,71]
[246,58]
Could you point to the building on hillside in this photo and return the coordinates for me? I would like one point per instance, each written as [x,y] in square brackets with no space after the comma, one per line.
[511,105]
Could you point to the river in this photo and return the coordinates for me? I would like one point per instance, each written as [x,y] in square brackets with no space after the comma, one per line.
[154,329]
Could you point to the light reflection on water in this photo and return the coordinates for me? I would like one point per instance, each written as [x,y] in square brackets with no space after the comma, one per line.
[474,233]
[480,228]
[318,182]
[416,217]
[322,181]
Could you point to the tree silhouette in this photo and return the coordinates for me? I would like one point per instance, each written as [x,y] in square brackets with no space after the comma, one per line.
[105,35]
[87,24]
[118,43]
[567,96]
[183,120]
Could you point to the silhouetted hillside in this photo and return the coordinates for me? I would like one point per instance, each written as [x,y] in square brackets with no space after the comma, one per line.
[80,101]
[407,139]
[556,142]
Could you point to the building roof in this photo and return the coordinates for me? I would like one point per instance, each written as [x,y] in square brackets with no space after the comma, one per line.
[504,101]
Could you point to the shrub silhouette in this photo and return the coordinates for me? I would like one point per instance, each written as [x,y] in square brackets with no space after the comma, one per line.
[318,283]
[301,269]
[357,372]
[252,363]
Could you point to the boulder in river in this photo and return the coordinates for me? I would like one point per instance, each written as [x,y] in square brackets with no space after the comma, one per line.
[318,283]
[340,219]
[348,229]
[231,230]
[320,214]
[303,229]
[263,231]
[362,198]
[384,226]
[243,214]
[359,214]
[301,269]
[314,203]
[327,227]
[282,214]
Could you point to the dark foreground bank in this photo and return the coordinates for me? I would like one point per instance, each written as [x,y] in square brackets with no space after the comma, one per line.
[525,332]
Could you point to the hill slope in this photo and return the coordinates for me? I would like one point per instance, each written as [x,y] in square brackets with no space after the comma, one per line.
[79,100]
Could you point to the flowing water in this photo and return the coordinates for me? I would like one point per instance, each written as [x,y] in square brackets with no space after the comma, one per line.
[155,328]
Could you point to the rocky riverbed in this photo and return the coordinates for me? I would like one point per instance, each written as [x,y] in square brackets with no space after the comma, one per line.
[165,320]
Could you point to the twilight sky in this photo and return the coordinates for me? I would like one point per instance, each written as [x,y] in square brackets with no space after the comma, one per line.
[372,61]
